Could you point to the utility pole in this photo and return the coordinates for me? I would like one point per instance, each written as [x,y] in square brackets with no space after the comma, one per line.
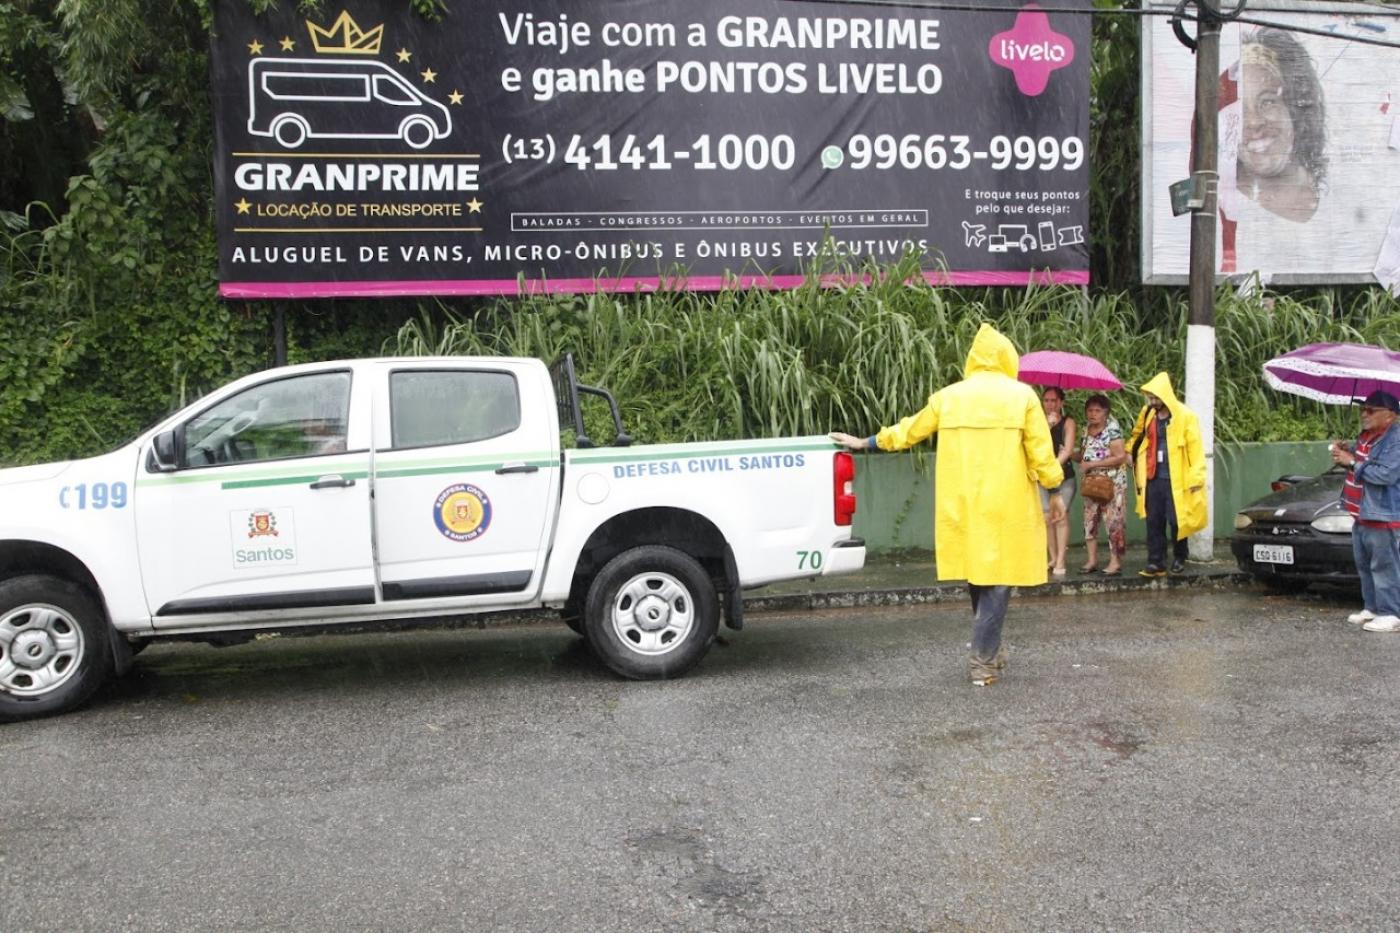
[1205,177]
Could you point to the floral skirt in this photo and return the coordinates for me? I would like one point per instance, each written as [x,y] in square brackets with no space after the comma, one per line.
[1111,513]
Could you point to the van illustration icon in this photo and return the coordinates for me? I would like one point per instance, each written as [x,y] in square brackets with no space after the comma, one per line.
[296,99]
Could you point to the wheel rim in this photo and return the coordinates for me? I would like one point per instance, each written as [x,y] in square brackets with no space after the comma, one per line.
[40,647]
[653,613]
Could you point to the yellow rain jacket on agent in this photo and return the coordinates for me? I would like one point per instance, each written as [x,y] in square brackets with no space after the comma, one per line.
[993,446]
[1186,459]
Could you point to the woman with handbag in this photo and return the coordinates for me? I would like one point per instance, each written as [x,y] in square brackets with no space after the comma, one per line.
[1104,485]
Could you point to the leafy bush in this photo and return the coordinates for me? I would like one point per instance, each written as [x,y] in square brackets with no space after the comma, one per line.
[698,366]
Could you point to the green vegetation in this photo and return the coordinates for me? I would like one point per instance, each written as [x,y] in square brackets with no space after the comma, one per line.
[689,366]
[111,314]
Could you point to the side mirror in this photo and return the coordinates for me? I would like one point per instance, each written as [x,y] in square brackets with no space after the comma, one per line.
[163,458]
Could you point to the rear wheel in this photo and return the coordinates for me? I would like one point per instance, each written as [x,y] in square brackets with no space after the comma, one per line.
[651,612]
[54,647]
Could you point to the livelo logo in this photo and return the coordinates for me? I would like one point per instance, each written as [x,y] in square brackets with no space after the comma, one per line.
[1032,50]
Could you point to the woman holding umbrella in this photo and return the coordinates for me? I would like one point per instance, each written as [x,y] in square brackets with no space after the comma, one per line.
[1058,370]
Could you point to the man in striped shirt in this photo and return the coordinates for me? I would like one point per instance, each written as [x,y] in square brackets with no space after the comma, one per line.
[1371,494]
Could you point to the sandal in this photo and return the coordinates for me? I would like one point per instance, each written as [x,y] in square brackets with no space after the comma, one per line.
[1113,573]
[1089,568]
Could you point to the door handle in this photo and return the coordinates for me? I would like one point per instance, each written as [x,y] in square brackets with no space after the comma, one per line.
[333,480]
[516,468]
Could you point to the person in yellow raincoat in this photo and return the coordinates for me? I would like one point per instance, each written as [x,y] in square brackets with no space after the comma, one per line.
[993,448]
[1169,474]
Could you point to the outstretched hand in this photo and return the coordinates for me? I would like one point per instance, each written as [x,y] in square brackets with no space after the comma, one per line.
[849,440]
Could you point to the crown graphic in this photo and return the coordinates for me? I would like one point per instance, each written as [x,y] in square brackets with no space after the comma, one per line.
[352,40]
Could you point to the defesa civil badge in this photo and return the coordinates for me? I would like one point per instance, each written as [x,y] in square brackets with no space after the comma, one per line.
[462,512]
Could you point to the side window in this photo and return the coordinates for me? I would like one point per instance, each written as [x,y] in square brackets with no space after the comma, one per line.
[292,86]
[435,407]
[298,417]
[390,92]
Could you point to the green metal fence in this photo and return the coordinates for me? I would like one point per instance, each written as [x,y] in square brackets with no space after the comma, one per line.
[894,492]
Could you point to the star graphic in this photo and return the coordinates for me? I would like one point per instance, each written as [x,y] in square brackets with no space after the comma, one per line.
[474,206]
[1031,50]
[404,55]
[429,76]
[455,97]
[287,43]
[255,47]
[242,205]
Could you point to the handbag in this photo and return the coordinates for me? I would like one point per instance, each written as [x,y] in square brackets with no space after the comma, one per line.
[1098,487]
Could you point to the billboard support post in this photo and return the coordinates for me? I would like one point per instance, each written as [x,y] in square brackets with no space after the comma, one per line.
[279,334]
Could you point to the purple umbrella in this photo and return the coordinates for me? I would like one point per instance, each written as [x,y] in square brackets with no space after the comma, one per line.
[1335,372]
[1066,370]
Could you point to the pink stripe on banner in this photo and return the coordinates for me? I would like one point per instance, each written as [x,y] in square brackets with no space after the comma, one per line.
[703,283]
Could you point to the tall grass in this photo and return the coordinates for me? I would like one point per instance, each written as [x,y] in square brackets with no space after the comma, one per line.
[757,363]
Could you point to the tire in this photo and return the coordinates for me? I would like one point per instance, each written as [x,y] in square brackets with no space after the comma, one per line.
[651,613]
[54,647]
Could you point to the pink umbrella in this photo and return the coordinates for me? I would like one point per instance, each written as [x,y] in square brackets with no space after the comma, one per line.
[1335,372]
[1066,370]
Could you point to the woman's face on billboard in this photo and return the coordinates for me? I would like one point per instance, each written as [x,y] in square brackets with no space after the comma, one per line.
[1266,148]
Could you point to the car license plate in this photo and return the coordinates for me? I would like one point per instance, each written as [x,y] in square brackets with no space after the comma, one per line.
[1273,553]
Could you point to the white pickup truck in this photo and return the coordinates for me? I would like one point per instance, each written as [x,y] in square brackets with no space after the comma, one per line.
[355,491]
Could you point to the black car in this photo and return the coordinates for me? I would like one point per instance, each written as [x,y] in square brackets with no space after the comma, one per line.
[1297,535]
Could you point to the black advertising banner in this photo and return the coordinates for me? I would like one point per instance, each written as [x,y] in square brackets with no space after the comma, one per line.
[564,145]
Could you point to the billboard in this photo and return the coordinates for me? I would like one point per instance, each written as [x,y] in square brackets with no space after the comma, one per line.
[568,145]
[1309,148]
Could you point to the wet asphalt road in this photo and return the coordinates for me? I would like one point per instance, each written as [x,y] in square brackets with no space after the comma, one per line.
[1173,761]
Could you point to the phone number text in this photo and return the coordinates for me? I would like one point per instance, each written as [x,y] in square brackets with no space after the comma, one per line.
[758,152]
[728,152]
[934,152]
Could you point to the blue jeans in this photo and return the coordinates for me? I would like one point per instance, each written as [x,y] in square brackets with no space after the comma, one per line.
[989,608]
[1377,553]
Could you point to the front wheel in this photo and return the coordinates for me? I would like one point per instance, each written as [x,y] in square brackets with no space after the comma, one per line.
[54,648]
[651,613]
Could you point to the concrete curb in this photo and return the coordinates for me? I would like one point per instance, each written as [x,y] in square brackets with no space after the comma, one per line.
[758,601]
